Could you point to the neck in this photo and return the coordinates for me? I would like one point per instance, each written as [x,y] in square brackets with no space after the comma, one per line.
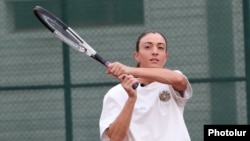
[144,81]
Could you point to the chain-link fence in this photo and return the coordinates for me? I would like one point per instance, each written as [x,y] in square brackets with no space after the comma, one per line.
[51,92]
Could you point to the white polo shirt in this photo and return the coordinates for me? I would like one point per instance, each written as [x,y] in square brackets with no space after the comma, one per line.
[157,115]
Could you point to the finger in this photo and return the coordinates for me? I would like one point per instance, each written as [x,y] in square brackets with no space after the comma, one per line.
[112,69]
[122,77]
[133,82]
[109,67]
[130,81]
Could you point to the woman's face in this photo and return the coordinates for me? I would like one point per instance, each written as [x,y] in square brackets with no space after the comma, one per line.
[152,51]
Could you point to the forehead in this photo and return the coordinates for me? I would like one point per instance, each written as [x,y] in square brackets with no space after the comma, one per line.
[153,38]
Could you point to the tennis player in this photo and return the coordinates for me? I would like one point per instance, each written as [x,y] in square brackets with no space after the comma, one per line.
[153,111]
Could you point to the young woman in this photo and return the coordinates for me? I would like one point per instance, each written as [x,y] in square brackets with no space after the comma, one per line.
[153,111]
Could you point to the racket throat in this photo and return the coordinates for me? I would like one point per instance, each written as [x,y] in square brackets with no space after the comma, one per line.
[100,59]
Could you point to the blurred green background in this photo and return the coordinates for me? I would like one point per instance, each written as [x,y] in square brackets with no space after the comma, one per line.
[50,92]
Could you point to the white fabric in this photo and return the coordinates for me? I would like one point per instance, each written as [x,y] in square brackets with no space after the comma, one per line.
[152,119]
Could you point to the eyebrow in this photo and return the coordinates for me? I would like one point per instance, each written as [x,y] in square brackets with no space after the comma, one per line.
[157,43]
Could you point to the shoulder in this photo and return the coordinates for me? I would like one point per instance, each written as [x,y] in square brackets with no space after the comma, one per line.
[178,71]
[115,89]
[117,92]
[188,92]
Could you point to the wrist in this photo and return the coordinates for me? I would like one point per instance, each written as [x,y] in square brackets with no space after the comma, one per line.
[132,99]
[131,70]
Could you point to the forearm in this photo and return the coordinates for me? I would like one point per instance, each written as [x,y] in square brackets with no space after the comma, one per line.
[118,129]
[177,80]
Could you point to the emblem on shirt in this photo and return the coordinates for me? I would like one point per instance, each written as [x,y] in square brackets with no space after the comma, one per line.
[164,96]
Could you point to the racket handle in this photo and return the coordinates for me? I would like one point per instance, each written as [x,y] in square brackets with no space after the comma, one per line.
[135,85]
[98,58]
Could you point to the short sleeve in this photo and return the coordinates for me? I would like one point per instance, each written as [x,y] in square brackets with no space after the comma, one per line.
[187,94]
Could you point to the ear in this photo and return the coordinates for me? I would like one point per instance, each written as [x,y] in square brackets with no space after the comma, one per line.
[136,56]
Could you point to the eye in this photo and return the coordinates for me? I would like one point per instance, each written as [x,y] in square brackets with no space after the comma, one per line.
[161,48]
[147,46]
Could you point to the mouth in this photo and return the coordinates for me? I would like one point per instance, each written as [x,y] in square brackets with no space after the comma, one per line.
[154,60]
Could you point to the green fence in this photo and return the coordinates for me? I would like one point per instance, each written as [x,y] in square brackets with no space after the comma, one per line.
[50,92]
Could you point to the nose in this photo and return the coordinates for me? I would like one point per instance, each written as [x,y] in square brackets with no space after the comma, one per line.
[155,50]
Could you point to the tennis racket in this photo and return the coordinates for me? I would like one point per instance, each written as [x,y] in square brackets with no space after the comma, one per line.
[68,35]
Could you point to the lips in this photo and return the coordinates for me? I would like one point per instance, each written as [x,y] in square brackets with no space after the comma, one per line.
[154,60]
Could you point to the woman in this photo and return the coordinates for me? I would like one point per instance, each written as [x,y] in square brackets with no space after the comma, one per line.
[153,111]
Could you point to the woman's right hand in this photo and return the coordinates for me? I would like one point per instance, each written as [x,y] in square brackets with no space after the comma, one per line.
[117,68]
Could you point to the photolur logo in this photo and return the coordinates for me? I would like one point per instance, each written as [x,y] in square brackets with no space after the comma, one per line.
[215,132]
[226,132]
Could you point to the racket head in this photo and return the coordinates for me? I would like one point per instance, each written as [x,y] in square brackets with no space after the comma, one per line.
[62,31]
[48,19]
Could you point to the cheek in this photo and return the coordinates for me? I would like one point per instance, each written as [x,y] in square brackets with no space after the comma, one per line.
[139,56]
[143,57]
[164,58]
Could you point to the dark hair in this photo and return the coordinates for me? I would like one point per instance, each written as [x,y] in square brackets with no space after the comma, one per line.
[144,34]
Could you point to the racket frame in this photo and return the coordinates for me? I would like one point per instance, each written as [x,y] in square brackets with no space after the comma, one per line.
[44,16]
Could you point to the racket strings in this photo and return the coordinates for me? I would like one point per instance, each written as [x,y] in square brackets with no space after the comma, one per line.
[61,36]
[89,50]
[63,31]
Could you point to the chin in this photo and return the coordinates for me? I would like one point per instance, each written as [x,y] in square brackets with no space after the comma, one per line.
[154,66]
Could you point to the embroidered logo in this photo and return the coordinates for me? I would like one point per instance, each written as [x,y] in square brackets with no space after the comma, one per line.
[164,96]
